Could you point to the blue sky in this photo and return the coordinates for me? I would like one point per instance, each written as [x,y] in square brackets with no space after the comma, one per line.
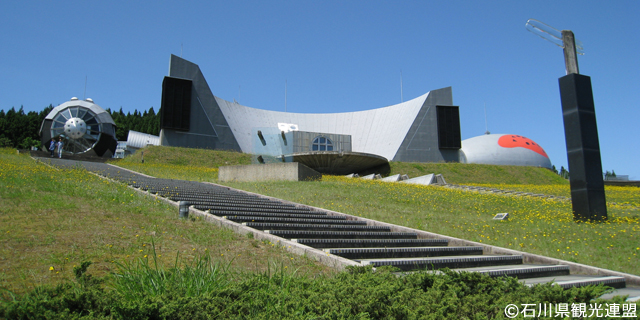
[336,56]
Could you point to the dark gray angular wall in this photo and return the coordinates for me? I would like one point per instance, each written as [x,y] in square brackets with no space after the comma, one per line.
[208,127]
[421,142]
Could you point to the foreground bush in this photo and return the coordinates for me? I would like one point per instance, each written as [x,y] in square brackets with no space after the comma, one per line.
[357,294]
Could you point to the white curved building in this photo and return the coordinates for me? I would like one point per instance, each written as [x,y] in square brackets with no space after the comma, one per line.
[504,149]
[425,129]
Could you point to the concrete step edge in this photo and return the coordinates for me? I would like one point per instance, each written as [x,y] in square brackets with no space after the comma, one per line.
[366,243]
[526,271]
[611,281]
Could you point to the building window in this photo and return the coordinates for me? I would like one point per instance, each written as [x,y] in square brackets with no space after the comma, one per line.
[321,144]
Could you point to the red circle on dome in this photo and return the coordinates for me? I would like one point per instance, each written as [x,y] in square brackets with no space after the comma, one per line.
[514,141]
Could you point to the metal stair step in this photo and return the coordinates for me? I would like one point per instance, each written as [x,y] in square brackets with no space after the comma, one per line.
[379,253]
[303,234]
[243,218]
[222,213]
[203,195]
[218,205]
[370,243]
[633,294]
[313,227]
[216,197]
[576,281]
[522,271]
[435,263]
[257,209]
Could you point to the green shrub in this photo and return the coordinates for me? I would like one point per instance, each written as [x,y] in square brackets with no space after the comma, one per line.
[280,294]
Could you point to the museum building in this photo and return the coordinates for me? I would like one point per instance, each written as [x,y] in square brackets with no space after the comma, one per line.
[424,129]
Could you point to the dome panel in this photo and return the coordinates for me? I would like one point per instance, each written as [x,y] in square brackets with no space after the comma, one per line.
[504,149]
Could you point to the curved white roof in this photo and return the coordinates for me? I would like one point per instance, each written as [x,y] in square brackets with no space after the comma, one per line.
[403,132]
[504,149]
[101,115]
[383,140]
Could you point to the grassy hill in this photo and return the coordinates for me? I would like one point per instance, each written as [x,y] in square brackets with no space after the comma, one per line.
[464,173]
[188,156]
[53,222]
[182,163]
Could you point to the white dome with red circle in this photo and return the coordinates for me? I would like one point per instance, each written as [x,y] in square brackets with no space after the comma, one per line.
[504,149]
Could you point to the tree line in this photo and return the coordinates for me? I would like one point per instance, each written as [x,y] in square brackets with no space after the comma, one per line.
[22,130]
[145,122]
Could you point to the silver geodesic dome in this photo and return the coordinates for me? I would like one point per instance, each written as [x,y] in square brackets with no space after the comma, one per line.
[85,128]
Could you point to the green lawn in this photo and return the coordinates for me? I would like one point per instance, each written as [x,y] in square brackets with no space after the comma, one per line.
[52,220]
[143,262]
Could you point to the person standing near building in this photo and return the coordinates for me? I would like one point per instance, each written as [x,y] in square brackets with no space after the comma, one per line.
[60,144]
[52,146]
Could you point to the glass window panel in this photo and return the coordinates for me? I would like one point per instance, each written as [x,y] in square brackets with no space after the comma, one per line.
[66,114]
[314,147]
[81,113]
[74,112]
[323,147]
[87,116]
[329,148]
[322,140]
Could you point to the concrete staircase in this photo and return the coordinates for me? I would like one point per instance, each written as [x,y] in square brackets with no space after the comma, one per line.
[363,241]
[350,238]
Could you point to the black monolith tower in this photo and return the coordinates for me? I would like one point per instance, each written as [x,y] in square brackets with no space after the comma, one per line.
[583,148]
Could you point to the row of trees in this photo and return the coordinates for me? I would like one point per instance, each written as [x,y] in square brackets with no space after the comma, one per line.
[563,172]
[22,130]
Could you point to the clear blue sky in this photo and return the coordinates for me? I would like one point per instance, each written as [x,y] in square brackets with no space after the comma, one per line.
[336,56]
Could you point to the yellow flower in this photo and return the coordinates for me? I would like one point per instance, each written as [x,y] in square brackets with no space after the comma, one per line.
[51,269]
